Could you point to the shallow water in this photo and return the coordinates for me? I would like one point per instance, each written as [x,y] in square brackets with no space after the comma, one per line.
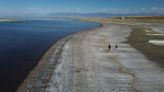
[23,43]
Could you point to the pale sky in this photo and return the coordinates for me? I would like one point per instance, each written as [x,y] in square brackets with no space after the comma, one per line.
[43,7]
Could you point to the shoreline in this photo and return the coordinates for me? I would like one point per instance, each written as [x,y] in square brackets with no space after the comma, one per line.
[11,20]
[123,48]
[54,49]
[57,47]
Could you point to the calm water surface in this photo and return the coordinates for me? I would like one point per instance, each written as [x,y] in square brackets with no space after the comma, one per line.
[22,43]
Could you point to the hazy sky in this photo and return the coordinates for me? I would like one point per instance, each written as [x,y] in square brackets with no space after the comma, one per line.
[23,7]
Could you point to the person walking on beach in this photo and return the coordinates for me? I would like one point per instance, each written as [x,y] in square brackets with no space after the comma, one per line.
[109,47]
[116,46]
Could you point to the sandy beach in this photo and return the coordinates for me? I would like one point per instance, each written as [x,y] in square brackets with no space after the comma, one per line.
[82,62]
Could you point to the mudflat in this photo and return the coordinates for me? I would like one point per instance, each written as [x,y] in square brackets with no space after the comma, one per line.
[139,39]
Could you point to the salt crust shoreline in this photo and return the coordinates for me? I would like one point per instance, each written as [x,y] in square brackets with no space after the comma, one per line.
[45,62]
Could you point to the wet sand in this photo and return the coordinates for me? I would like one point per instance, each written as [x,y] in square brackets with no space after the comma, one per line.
[83,63]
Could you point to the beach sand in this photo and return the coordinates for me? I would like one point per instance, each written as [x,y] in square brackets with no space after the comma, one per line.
[82,62]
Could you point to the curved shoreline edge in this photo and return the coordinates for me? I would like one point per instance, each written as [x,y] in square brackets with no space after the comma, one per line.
[34,73]
[125,63]
[44,62]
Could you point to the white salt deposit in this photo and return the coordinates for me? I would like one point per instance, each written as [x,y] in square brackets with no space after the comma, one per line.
[148,31]
[157,42]
[155,34]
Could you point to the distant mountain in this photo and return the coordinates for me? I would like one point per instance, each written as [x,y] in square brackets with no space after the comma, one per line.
[58,14]
[101,14]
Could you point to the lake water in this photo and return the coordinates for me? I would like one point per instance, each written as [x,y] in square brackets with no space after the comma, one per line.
[23,43]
